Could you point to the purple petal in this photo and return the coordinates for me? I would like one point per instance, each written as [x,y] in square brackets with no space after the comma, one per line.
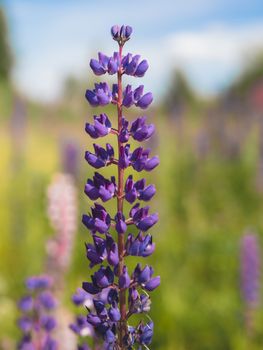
[152,163]
[141,69]
[153,283]
[90,288]
[92,98]
[96,67]
[145,100]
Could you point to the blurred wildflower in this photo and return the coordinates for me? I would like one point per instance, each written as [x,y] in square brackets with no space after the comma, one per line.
[69,155]
[37,322]
[250,274]
[62,212]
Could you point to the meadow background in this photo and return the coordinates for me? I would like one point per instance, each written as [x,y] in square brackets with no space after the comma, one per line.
[207,75]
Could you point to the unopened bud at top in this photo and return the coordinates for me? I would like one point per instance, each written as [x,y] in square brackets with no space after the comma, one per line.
[121,34]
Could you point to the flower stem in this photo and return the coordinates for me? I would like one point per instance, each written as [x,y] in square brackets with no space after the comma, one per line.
[120,197]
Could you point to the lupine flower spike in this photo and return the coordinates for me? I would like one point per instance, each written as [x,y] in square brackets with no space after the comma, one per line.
[62,213]
[250,276]
[126,291]
[37,322]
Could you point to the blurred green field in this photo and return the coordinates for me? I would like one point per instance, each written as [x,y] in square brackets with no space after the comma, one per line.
[205,204]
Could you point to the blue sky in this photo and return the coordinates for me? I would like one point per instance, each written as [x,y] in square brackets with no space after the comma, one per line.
[209,40]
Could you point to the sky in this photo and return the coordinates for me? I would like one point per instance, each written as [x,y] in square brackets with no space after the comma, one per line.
[210,40]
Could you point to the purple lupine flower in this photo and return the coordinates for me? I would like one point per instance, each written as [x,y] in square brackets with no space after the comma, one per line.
[131,97]
[100,187]
[26,303]
[144,277]
[99,220]
[70,157]
[35,283]
[250,268]
[138,303]
[111,281]
[82,298]
[138,159]
[80,326]
[145,333]
[250,275]
[37,321]
[101,157]
[121,34]
[121,226]
[141,217]
[105,64]
[138,190]
[140,245]
[101,127]
[100,95]
[133,66]
[139,130]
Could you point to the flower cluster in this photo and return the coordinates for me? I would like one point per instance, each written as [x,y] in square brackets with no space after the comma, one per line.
[102,95]
[36,321]
[250,277]
[250,268]
[62,213]
[70,157]
[81,327]
[124,293]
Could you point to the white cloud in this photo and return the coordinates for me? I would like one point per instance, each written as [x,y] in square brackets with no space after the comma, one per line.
[53,41]
[213,55]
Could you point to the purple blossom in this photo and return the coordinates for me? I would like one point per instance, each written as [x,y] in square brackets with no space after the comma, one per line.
[139,130]
[105,64]
[108,315]
[121,34]
[100,187]
[124,279]
[38,282]
[138,303]
[136,97]
[141,217]
[102,249]
[26,303]
[101,127]
[121,226]
[140,245]
[145,333]
[98,221]
[143,276]
[139,159]
[133,66]
[250,268]
[47,300]
[70,157]
[37,322]
[101,156]
[82,298]
[81,326]
[103,278]
[100,95]
[138,190]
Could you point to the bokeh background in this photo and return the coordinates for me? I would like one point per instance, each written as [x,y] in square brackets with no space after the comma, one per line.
[206,73]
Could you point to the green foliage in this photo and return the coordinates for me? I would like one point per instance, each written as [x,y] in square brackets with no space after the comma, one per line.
[252,73]
[5,56]
[180,94]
